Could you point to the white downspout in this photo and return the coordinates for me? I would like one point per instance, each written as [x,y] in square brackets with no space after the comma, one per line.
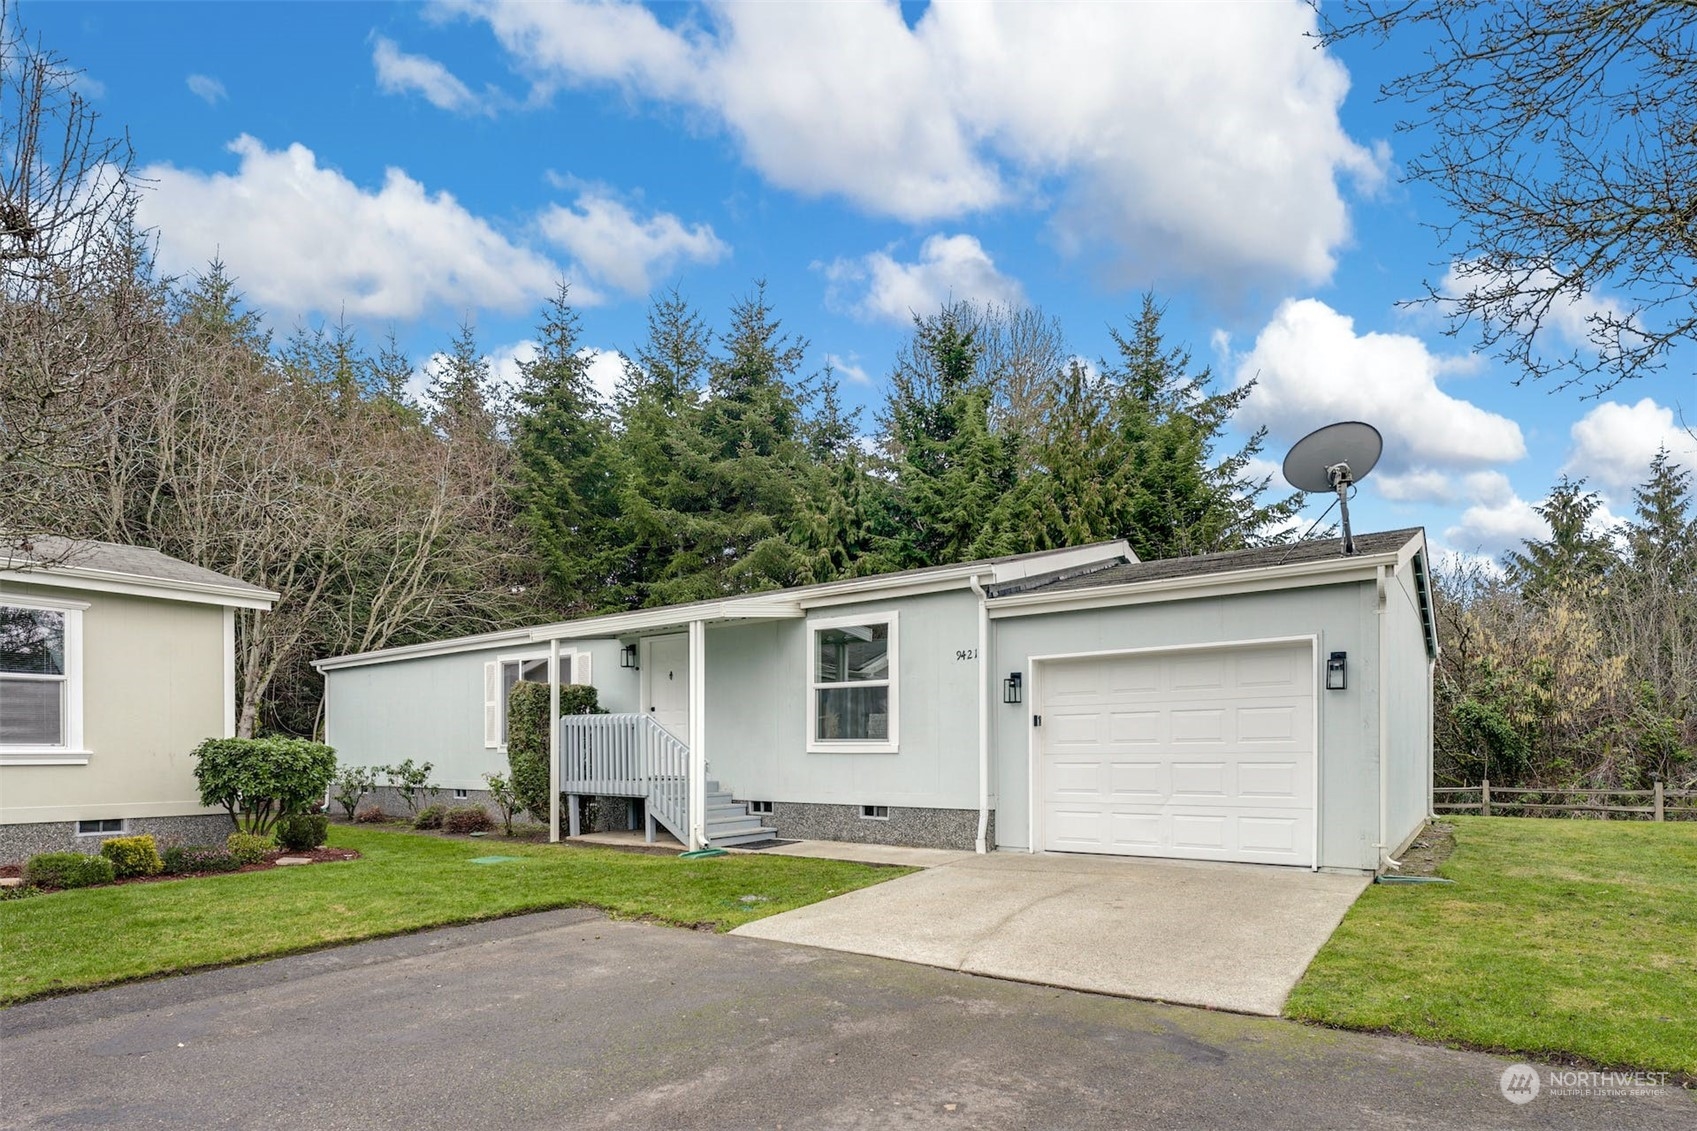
[554,740]
[983,717]
[697,735]
[1383,596]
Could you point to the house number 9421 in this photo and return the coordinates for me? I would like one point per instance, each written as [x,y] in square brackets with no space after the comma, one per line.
[966,653]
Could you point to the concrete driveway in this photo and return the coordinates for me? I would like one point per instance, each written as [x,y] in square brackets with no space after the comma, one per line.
[1225,936]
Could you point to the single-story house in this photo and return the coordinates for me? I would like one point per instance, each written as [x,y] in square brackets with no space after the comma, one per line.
[115,663]
[1269,705]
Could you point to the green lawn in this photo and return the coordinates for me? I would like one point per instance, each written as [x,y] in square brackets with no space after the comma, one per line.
[1559,937]
[95,936]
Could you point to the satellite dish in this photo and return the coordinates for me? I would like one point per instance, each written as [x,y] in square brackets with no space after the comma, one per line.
[1334,458]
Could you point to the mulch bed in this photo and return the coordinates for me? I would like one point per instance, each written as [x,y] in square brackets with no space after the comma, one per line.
[317,856]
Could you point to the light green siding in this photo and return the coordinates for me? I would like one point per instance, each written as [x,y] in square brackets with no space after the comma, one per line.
[430,709]
[153,687]
[1408,712]
[1341,616]
[757,688]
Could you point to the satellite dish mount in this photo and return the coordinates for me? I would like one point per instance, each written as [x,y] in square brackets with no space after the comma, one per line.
[1335,458]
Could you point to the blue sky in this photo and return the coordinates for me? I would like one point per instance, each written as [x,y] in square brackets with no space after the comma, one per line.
[413,166]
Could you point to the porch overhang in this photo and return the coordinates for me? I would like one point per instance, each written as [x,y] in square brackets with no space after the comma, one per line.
[670,618]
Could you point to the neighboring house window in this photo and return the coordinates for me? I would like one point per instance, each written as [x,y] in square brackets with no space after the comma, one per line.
[500,675]
[40,677]
[852,700]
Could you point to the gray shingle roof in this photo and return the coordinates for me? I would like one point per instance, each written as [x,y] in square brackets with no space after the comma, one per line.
[131,561]
[1232,561]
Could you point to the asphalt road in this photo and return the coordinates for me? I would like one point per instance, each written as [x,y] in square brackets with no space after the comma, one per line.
[567,1020]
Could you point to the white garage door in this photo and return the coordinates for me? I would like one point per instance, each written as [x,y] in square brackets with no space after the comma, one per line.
[1206,754]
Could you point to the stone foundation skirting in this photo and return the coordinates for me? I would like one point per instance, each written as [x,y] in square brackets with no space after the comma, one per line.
[19,842]
[909,828]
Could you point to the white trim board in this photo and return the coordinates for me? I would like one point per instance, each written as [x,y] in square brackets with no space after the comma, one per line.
[101,581]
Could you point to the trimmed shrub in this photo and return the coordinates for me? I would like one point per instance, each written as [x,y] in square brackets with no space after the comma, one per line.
[181,859]
[68,870]
[258,780]
[467,819]
[303,832]
[371,815]
[133,856]
[430,817]
[246,848]
[527,737]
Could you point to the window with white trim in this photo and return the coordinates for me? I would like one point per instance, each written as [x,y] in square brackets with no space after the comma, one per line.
[40,676]
[501,674]
[853,685]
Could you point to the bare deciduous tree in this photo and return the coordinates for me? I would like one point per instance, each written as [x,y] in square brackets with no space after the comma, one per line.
[1562,135]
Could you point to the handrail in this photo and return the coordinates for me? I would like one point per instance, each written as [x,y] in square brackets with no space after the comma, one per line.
[627,755]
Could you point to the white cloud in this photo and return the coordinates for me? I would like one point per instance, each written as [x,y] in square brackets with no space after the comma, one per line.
[606,368]
[401,73]
[1422,486]
[207,89]
[949,269]
[848,369]
[1498,520]
[616,247]
[1614,443]
[302,237]
[1186,138]
[1514,297]
[1312,368]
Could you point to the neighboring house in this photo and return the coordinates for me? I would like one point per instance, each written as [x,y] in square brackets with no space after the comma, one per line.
[115,662]
[1269,705]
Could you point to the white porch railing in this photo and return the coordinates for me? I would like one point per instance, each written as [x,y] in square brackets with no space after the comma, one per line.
[627,756]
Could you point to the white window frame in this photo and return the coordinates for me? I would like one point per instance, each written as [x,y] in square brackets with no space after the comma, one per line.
[574,667]
[71,751]
[890,745]
[123,826]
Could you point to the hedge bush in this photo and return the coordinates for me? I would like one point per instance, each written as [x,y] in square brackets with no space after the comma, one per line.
[133,856]
[259,780]
[527,737]
[68,870]
[303,832]
[248,848]
[371,815]
[430,817]
[181,859]
[467,819]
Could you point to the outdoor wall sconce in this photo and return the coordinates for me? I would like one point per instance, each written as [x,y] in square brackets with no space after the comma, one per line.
[627,657]
[1011,687]
[1335,680]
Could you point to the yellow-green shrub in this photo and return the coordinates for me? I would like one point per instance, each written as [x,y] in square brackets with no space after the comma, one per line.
[133,856]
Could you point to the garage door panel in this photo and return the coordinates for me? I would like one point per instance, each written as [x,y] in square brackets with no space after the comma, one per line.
[1134,728]
[1200,779]
[1266,724]
[1137,780]
[1076,777]
[1199,755]
[1135,831]
[1198,725]
[1265,781]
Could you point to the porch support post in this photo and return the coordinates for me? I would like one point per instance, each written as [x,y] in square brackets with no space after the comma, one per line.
[697,734]
[554,744]
[571,813]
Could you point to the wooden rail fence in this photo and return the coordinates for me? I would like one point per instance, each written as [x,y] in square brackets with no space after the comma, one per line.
[1655,804]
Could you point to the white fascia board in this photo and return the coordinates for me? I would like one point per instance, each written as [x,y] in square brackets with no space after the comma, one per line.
[133,585]
[479,643]
[889,592]
[1063,559]
[1354,568]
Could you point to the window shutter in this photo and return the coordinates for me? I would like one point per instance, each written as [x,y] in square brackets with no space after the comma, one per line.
[491,705]
[580,668]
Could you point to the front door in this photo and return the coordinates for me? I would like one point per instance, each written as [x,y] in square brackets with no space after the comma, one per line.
[665,682]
